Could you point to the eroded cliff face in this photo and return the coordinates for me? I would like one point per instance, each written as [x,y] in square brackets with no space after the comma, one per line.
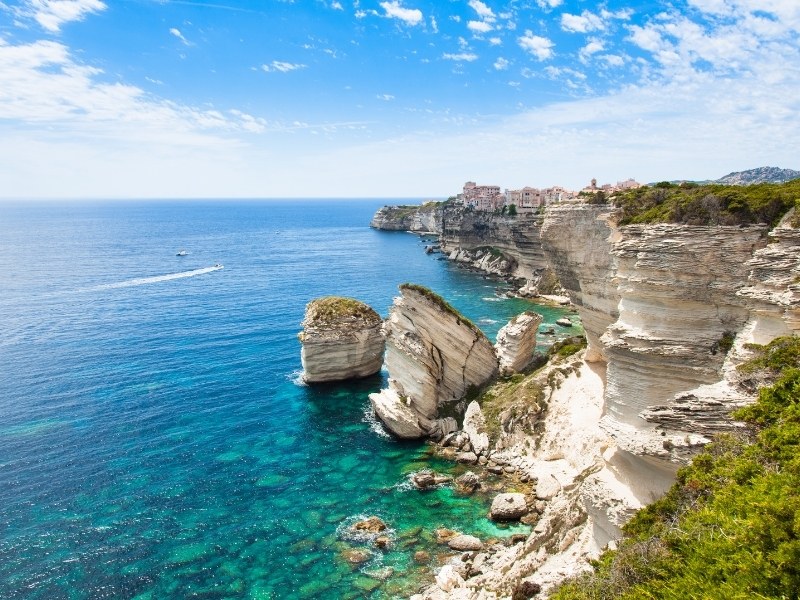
[516,237]
[668,310]
[424,218]
[433,357]
[498,244]
[576,240]
[661,305]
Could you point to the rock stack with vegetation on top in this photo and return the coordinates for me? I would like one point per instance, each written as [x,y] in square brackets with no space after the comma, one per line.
[342,339]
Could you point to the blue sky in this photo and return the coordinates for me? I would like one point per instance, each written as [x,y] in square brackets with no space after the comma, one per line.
[394,98]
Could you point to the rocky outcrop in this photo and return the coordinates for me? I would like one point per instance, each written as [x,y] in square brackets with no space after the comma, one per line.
[516,342]
[420,218]
[434,356]
[341,339]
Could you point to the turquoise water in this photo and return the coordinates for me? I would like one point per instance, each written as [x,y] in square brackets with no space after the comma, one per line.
[155,441]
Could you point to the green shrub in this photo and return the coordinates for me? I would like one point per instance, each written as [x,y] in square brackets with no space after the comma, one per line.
[710,204]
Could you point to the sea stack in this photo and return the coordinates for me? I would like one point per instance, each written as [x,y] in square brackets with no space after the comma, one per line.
[342,338]
[434,356]
[516,342]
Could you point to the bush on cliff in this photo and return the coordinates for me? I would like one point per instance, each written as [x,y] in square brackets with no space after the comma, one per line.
[730,525]
[711,204]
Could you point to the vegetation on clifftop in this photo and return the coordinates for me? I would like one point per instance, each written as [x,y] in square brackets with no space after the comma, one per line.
[730,525]
[330,310]
[712,204]
[442,304]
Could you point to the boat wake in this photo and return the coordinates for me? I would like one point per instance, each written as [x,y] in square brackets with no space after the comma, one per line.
[155,279]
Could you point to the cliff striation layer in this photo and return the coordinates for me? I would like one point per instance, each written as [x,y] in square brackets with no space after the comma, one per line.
[341,339]
[662,306]
[434,356]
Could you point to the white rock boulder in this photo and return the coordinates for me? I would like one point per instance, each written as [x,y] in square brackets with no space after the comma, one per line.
[508,507]
[516,342]
[475,428]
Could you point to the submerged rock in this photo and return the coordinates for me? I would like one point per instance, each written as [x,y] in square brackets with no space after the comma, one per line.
[516,342]
[370,525]
[434,356]
[426,479]
[342,338]
[356,556]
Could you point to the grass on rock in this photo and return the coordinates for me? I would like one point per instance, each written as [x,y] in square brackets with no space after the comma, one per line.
[331,310]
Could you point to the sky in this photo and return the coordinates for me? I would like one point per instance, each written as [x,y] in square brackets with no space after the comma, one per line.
[392,98]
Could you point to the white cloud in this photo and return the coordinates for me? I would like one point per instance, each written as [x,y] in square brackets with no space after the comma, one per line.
[501,64]
[52,14]
[582,23]
[647,38]
[41,83]
[592,47]
[337,6]
[461,57]
[455,18]
[613,60]
[177,33]
[282,66]
[434,25]
[549,3]
[495,41]
[385,97]
[409,16]
[484,12]
[479,26]
[540,47]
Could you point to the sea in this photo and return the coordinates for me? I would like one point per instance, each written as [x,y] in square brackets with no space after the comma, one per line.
[156,439]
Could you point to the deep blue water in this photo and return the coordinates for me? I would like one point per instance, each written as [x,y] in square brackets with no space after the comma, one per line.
[154,439]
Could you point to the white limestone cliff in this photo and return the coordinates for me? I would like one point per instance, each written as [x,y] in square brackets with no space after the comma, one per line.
[434,356]
[668,311]
[341,339]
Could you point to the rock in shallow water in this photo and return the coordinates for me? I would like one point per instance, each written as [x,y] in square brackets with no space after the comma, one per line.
[465,543]
[508,507]
[342,339]
[371,525]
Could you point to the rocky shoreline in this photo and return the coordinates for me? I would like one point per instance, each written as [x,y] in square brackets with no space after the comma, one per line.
[668,312]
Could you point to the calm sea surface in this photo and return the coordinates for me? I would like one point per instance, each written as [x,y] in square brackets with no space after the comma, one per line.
[155,441]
